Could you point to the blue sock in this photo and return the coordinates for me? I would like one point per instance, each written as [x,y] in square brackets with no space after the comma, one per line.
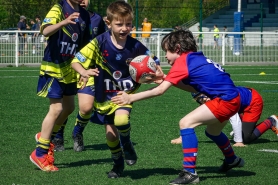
[224,145]
[81,122]
[189,148]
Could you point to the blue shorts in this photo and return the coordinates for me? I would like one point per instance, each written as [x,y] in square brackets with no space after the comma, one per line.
[90,90]
[102,119]
[50,87]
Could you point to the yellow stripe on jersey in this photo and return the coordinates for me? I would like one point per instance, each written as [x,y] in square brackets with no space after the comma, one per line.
[53,16]
[88,56]
[63,71]
[107,107]
[44,91]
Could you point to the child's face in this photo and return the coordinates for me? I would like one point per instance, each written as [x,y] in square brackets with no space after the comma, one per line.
[171,57]
[120,28]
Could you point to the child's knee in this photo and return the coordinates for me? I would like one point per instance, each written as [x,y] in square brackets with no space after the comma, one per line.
[121,120]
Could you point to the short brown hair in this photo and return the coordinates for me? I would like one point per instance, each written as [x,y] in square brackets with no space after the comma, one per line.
[119,9]
[180,39]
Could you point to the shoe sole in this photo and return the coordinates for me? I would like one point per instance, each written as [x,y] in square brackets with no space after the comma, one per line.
[275,118]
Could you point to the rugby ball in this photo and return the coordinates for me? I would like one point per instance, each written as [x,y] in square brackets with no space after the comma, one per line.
[140,68]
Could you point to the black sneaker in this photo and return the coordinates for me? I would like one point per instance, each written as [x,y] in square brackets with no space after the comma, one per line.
[186,177]
[238,162]
[129,154]
[116,171]
[78,144]
[58,144]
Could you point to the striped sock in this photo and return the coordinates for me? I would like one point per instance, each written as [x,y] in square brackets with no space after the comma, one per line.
[124,132]
[81,122]
[42,147]
[58,130]
[189,148]
[262,127]
[224,145]
[116,151]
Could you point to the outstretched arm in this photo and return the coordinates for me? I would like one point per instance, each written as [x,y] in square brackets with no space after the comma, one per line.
[123,98]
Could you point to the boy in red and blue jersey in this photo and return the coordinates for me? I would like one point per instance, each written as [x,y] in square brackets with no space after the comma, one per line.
[192,70]
[67,26]
[244,123]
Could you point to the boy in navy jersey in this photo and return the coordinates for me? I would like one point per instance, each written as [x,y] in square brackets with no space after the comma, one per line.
[106,58]
[98,27]
[67,26]
[191,70]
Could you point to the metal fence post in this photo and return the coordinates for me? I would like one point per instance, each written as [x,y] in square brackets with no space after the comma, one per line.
[158,46]
[16,49]
[223,49]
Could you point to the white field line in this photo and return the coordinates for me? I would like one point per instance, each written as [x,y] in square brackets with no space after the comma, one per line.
[258,82]
[268,150]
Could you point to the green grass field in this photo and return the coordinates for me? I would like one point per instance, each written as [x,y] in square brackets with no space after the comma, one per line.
[154,123]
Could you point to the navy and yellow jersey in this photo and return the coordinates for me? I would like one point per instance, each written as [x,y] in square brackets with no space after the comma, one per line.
[112,64]
[62,45]
[97,24]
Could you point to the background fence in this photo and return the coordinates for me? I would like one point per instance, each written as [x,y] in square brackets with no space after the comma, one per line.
[240,48]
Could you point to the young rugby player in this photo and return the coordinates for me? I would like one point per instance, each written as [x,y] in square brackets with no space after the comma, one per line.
[192,69]
[67,26]
[245,127]
[85,108]
[106,58]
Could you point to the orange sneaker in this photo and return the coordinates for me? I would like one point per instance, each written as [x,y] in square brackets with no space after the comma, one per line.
[45,163]
[274,128]
[51,148]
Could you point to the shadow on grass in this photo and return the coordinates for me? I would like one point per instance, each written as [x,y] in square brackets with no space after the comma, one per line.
[204,173]
[102,146]
[83,163]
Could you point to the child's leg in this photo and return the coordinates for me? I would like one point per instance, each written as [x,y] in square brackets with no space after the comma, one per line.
[40,155]
[85,102]
[113,142]
[121,121]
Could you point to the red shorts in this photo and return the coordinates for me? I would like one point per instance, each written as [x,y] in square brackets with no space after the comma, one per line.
[223,110]
[253,112]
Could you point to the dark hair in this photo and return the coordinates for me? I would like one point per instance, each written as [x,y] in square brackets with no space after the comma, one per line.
[119,9]
[180,39]
[37,16]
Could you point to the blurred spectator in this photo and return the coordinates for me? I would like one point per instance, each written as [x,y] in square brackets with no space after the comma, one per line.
[199,38]
[133,34]
[21,25]
[216,37]
[226,36]
[146,27]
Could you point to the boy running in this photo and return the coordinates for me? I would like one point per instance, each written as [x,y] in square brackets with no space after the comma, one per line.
[67,27]
[106,58]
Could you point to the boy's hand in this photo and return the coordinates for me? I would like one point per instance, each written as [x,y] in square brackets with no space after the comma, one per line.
[122,98]
[73,18]
[89,72]
[83,82]
[156,77]
[239,144]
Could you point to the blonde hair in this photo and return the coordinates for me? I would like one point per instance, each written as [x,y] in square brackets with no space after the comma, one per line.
[119,10]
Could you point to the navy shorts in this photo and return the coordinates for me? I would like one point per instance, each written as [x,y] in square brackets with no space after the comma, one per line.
[90,90]
[50,87]
[102,119]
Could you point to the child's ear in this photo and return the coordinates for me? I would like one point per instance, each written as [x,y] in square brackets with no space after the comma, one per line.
[108,23]
[178,48]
